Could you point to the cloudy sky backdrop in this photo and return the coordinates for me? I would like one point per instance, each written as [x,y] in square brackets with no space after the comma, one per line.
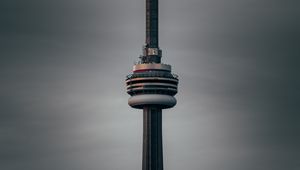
[63,103]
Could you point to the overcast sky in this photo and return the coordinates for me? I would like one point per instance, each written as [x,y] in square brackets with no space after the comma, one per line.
[63,103]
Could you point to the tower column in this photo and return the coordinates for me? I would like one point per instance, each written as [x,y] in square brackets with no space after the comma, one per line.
[152,138]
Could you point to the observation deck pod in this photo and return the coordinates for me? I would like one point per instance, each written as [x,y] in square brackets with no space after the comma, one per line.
[158,100]
[152,84]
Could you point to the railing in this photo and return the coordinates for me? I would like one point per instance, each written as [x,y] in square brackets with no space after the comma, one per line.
[140,62]
[152,74]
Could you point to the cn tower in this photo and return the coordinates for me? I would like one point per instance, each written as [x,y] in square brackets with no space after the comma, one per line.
[152,87]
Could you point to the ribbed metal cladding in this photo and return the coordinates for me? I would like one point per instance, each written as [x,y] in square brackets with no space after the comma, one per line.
[152,139]
[152,23]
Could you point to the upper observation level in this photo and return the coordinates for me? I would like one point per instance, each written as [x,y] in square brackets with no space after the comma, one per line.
[152,79]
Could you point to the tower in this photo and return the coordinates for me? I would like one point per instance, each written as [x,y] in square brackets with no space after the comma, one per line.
[152,87]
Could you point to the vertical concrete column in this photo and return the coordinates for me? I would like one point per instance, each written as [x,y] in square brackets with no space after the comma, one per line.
[152,139]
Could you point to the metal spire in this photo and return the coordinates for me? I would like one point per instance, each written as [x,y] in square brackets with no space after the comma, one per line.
[152,53]
[152,23]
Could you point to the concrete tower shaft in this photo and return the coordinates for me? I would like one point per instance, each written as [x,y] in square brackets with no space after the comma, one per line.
[152,139]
